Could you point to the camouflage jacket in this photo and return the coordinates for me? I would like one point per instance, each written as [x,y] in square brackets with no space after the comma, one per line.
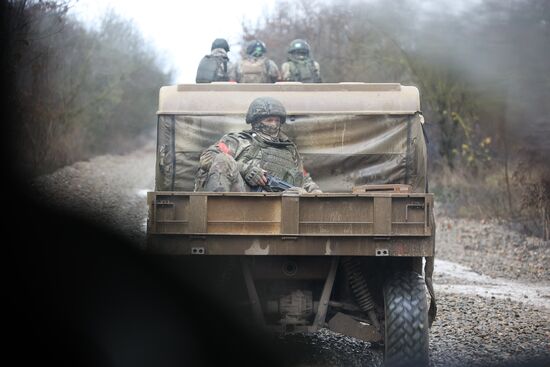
[307,70]
[223,72]
[280,159]
[255,70]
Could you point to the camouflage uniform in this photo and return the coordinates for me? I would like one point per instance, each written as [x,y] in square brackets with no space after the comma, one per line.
[256,70]
[229,164]
[255,67]
[222,72]
[300,67]
[307,71]
[221,175]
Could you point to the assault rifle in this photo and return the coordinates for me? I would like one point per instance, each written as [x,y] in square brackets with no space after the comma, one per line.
[274,184]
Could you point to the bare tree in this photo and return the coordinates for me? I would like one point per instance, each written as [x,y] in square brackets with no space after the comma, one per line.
[82,92]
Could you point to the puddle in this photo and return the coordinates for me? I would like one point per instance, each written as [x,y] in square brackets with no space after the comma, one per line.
[537,294]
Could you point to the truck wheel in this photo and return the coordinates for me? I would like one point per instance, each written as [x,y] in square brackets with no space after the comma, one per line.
[406,321]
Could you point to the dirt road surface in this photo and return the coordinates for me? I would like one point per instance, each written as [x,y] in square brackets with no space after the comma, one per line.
[492,283]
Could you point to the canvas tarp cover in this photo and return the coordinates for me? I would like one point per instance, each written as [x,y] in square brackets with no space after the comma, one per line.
[339,151]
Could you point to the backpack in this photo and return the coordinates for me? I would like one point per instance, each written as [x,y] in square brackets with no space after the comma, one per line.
[254,71]
[304,71]
[208,70]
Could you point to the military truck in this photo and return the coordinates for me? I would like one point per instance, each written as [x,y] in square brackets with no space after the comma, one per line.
[357,258]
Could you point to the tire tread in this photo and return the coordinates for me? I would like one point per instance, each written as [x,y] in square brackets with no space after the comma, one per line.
[406,334]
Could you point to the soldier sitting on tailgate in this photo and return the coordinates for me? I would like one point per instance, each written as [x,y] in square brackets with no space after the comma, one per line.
[243,161]
[300,67]
[255,67]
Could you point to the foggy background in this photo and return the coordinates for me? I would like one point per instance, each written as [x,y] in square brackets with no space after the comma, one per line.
[482,68]
[180,33]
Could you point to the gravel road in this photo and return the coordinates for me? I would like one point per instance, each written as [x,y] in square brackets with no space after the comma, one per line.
[492,283]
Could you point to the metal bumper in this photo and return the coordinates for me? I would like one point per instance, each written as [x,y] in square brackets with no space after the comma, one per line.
[277,245]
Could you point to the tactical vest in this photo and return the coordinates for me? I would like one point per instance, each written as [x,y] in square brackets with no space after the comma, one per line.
[304,71]
[254,71]
[278,159]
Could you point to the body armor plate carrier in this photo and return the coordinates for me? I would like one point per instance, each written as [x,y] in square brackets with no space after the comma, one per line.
[279,159]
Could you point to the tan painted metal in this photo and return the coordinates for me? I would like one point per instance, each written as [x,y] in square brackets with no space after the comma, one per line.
[364,224]
[266,214]
[252,245]
[298,98]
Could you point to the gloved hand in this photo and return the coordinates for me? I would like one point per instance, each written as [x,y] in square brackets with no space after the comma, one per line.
[253,175]
[296,189]
[206,159]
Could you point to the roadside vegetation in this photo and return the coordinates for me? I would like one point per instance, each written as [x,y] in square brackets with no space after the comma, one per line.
[484,78]
[79,91]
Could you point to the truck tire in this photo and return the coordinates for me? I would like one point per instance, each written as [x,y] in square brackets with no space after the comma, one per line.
[406,321]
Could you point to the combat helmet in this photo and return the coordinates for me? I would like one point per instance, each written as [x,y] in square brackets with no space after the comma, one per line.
[299,46]
[220,43]
[255,48]
[263,107]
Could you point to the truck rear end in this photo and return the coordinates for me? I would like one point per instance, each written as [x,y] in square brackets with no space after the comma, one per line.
[356,258]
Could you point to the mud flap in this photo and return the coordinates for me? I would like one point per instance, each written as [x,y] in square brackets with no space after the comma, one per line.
[428,273]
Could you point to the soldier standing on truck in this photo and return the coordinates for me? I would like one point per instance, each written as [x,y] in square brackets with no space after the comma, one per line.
[243,161]
[300,67]
[255,67]
[216,66]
